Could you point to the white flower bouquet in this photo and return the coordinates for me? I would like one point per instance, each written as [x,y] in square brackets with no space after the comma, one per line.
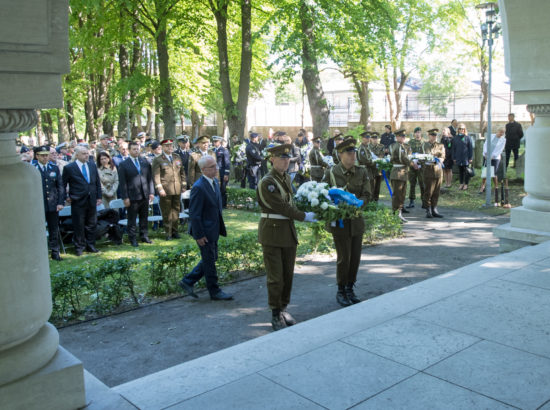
[421,157]
[384,163]
[328,160]
[314,196]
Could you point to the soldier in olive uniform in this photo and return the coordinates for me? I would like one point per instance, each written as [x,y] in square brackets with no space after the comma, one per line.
[54,196]
[337,140]
[316,161]
[202,145]
[433,173]
[399,152]
[415,170]
[169,178]
[378,150]
[348,240]
[364,157]
[277,234]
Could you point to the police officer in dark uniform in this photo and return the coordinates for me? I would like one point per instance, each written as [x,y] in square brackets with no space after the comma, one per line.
[348,239]
[183,151]
[54,196]
[254,161]
[224,166]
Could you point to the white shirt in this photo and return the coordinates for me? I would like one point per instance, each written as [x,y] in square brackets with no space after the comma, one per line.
[497,150]
[210,181]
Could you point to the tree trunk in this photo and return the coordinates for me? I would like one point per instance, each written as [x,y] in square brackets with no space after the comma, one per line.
[362,88]
[195,124]
[310,75]
[89,113]
[47,125]
[39,130]
[70,120]
[388,98]
[235,113]
[484,100]
[62,129]
[168,116]
[398,89]
[108,126]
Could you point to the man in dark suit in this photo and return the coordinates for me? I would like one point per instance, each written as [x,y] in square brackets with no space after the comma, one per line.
[84,190]
[206,225]
[224,166]
[514,133]
[54,196]
[183,151]
[135,180]
[453,127]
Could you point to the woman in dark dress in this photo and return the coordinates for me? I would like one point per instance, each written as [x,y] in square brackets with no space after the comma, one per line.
[447,140]
[463,152]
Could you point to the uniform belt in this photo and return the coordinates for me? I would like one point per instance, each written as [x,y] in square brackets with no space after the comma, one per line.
[398,165]
[273,216]
[316,166]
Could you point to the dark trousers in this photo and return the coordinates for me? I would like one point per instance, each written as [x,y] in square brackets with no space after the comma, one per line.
[279,267]
[170,207]
[253,176]
[348,258]
[223,191]
[432,186]
[84,217]
[463,174]
[399,189]
[52,218]
[206,267]
[414,176]
[375,187]
[138,209]
[508,151]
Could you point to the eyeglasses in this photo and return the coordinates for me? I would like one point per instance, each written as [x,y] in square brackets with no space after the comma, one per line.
[462,129]
[212,166]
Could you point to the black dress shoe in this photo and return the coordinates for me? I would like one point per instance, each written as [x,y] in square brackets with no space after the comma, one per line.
[351,295]
[134,243]
[92,249]
[287,317]
[176,235]
[404,210]
[436,214]
[188,288]
[411,204]
[146,239]
[342,298]
[278,322]
[221,295]
[56,257]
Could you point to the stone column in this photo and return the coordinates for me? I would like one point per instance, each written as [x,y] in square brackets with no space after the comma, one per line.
[34,371]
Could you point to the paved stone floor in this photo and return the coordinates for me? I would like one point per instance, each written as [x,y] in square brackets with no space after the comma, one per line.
[475,337]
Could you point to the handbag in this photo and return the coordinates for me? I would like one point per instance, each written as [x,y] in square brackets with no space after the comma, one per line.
[471,172]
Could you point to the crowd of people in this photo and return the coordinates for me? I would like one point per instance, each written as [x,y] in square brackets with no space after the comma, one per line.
[87,175]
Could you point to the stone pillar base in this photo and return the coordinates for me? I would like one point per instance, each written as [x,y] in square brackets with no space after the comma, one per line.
[511,238]
[58,385]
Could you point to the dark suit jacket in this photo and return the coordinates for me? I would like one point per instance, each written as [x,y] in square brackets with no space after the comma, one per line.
[52,187]
[79,188]
[205,211]
[133,185]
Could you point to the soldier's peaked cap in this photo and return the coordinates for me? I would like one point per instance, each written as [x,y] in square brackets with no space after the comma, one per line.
[433,131]
[400,133]
[279,150]
[42,150]
[348,144]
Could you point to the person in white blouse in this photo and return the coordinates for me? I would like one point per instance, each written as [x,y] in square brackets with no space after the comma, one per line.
[498,142]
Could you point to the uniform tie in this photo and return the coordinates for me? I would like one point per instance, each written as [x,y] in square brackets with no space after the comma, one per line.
[137,165]
[85,173]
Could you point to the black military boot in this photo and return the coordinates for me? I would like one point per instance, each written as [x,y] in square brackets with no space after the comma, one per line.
[496,196]
[411,204]
[401,217]
[287,317]
[436,214]
[342,297]
[277,320]
[428,213]
[351,294]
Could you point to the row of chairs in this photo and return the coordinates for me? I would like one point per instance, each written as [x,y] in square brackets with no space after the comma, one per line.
[119,204]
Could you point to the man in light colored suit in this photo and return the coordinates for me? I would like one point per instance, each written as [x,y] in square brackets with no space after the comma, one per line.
[206,225]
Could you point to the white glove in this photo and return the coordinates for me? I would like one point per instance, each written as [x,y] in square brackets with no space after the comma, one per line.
[310,217]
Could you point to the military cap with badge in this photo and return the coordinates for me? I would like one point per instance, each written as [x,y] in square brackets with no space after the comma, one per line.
[349,144]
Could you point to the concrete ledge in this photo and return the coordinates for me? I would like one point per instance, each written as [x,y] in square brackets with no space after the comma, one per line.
[57,386]
[515,238]
[99,396]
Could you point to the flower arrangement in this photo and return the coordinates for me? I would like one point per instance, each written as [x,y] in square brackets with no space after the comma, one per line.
[239,153]
[384,163]
[329,204]
[421,157]
[328,160]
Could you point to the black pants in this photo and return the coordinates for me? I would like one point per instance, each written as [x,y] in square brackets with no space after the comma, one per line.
[223,191]
[138,209]
[463,174]
[509,151]
[84,217]
[52,218]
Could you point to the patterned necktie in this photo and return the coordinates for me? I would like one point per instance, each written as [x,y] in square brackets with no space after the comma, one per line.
[85,173]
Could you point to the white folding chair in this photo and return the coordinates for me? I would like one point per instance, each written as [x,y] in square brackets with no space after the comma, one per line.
[152,217]
[66,211]
[185,195]
[118,204]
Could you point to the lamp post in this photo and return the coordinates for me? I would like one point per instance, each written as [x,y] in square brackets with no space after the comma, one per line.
[489,31]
